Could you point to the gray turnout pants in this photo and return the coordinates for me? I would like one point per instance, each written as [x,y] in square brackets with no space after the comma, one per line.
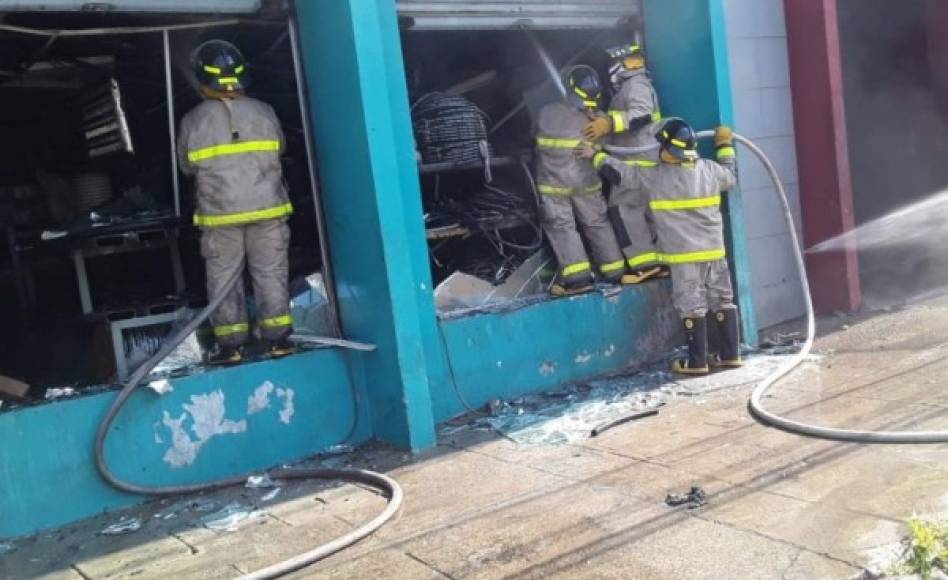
[634,228]
[563,217]
[698,287]
[264,246]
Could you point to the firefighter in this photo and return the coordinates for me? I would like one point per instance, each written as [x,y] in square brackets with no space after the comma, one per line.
[684,194]
[231,145]
[631,122]
[571,190]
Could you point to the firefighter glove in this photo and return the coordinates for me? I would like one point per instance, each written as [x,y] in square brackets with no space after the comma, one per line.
[597,128]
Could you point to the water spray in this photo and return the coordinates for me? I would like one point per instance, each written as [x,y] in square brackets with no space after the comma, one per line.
[546,60]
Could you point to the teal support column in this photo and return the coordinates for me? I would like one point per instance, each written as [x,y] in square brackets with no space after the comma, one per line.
[687,45]
[358,99]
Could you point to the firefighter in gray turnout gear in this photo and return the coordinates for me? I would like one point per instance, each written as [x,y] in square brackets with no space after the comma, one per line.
[571,190]
[231,145]
[684,194]
[632,121]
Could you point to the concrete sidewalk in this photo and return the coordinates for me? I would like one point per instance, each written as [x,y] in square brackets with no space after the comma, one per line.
[482,506]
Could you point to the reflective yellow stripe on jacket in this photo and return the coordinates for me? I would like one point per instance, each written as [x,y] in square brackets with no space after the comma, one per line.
[547,189]
[556,143]
[641,163]
[244,217]
[680,204]
[233,149]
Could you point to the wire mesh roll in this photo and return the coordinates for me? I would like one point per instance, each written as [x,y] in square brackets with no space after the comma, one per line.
[450,129]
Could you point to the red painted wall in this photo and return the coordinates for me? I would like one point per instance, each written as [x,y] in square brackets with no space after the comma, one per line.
[826,195]
[937,24]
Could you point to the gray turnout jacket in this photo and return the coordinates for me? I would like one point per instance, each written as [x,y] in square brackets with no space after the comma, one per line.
[558,170]
[232,148]
[685,201]
[635,99]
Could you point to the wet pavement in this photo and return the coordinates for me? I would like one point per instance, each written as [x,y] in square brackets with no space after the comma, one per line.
[526,493]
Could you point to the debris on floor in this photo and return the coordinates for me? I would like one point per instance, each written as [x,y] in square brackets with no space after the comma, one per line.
[271,495]
[340,449]
[162,387]
[695,498]
[122,527]
[259,481]
[227,519]
[623,420]
[59,393]
[197,505]
[572,414]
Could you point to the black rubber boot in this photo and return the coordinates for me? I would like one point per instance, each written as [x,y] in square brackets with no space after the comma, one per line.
[225,355]
[696,333]
[729,331]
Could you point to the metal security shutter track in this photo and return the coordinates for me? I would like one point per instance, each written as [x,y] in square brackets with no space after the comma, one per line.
[179,6]
[499,15]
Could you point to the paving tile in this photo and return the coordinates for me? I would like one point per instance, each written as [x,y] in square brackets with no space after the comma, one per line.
[573,462]
[382,564]
[130,556]
[262,542]
[441,493]
[500,542]
[818,527]
[675,429]
[691,548]
[808,566]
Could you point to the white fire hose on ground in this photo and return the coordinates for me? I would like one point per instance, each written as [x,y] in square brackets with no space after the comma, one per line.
[756,405]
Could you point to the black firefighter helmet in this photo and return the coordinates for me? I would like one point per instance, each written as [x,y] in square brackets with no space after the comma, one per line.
[220,66]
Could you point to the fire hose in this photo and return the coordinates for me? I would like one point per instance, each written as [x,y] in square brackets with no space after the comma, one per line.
[388,486]
[756,405]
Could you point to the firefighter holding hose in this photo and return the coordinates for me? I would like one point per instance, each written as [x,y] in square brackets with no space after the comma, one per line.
[683,193]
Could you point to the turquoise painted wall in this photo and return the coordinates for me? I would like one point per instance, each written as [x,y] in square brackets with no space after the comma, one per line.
[541,347]
[48,478]
[365,149]
[372,201]
[686,42]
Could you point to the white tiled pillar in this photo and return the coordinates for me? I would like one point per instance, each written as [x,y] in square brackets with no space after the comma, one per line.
[760,79]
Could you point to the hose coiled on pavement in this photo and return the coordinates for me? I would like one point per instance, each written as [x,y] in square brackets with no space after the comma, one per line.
[383,483]
[756,401]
